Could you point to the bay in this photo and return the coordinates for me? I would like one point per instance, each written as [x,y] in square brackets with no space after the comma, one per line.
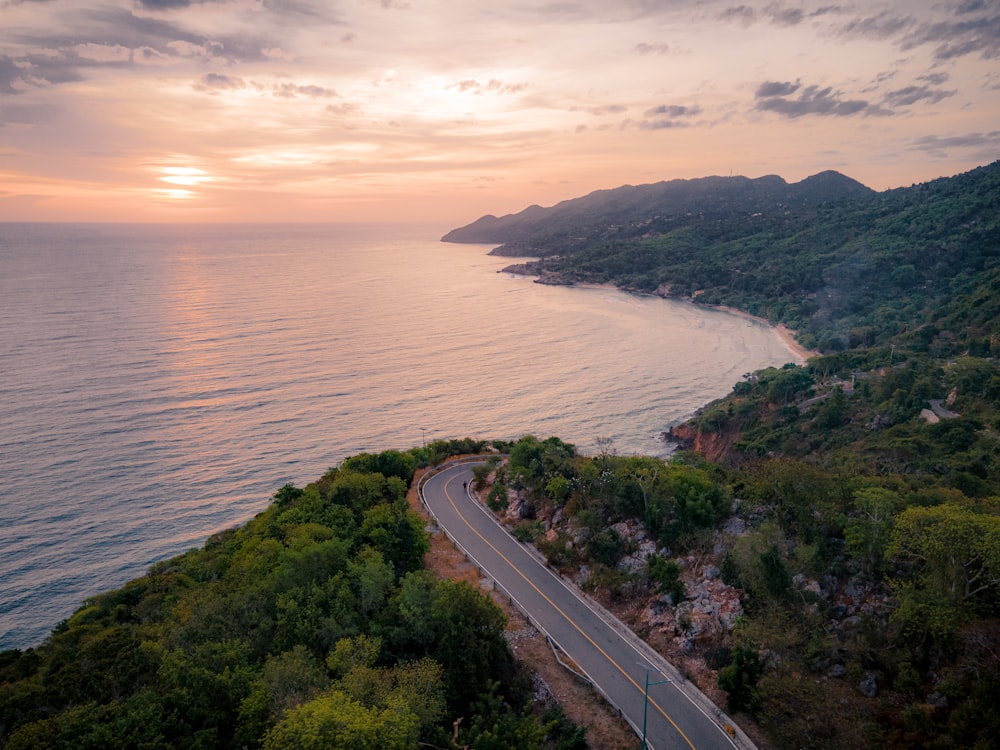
[159,382]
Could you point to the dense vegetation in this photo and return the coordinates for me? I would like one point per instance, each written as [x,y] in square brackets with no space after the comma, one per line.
[856,479]
[312,626]
[844,266]
[871,599]
[854,503]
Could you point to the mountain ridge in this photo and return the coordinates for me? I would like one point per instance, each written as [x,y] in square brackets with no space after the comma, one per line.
[630,203]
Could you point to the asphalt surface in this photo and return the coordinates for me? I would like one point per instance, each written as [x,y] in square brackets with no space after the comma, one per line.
[617,667]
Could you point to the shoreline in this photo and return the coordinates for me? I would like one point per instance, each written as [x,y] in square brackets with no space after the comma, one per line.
[786,334]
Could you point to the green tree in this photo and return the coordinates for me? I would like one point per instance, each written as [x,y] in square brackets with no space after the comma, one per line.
[867,533]
[956,550]
[398,534]
[413,632]
[666,574]
[334,720]
[373,578]
[739,678]
[470,643]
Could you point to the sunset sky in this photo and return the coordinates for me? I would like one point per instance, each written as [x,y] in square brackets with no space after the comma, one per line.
[442,110]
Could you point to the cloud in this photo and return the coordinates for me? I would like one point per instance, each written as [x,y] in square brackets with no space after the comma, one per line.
[651,49]
[776,88]
[215,82]
[877,28]
[607,109]
[971,6]
[493,86]
[935,144]
[92,38]
[775,13]
[672,110]
[344,108]
[277,7]
[17,75]
[908,95]
[667,116]
[180,48]
[883,77]
[163,4]
[291,90]
[773,96]
[149,56]
[784,16]
[827,10]
[114,27]
[103,53]
[971,30]
[959,38]
[744,15]
[10,74]
[935,79]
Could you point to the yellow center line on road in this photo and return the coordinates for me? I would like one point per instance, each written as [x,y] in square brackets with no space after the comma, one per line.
[541,593]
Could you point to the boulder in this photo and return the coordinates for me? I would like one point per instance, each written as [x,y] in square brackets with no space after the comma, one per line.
[869,684]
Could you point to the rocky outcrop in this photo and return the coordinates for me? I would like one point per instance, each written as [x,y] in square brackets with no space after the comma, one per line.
[716,446]
[709,611]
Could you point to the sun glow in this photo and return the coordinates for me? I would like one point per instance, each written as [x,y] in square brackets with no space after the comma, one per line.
[190,176]
[176,193]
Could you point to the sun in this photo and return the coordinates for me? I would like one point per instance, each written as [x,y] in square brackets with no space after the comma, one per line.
[188,176]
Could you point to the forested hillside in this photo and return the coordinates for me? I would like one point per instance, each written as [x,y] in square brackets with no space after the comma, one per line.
[827,549]
[842,265]
[837,606]
[312,626]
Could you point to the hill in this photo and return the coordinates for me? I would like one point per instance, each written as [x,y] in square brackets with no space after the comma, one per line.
[535,228]
[843,265]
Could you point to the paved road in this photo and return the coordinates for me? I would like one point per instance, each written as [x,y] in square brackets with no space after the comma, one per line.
[619,668]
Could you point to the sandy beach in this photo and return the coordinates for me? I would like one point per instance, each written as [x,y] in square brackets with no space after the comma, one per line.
[786,334]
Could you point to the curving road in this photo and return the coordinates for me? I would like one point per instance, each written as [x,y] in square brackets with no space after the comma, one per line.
[675,715]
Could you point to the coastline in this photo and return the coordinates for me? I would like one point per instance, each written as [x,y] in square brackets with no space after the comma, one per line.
[786,334]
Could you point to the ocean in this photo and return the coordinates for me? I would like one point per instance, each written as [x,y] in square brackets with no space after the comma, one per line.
[158,383]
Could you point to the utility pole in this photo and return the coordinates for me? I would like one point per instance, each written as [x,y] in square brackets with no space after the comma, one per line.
[645,705]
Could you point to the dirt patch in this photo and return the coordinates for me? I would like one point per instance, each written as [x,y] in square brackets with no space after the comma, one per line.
[584,707]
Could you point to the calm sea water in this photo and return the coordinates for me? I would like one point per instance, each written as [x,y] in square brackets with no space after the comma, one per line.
[159,383]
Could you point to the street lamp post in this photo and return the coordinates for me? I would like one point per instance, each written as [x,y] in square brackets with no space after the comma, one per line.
[645,705]
[423,434]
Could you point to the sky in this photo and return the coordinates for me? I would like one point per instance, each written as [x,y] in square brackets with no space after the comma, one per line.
[444,110]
